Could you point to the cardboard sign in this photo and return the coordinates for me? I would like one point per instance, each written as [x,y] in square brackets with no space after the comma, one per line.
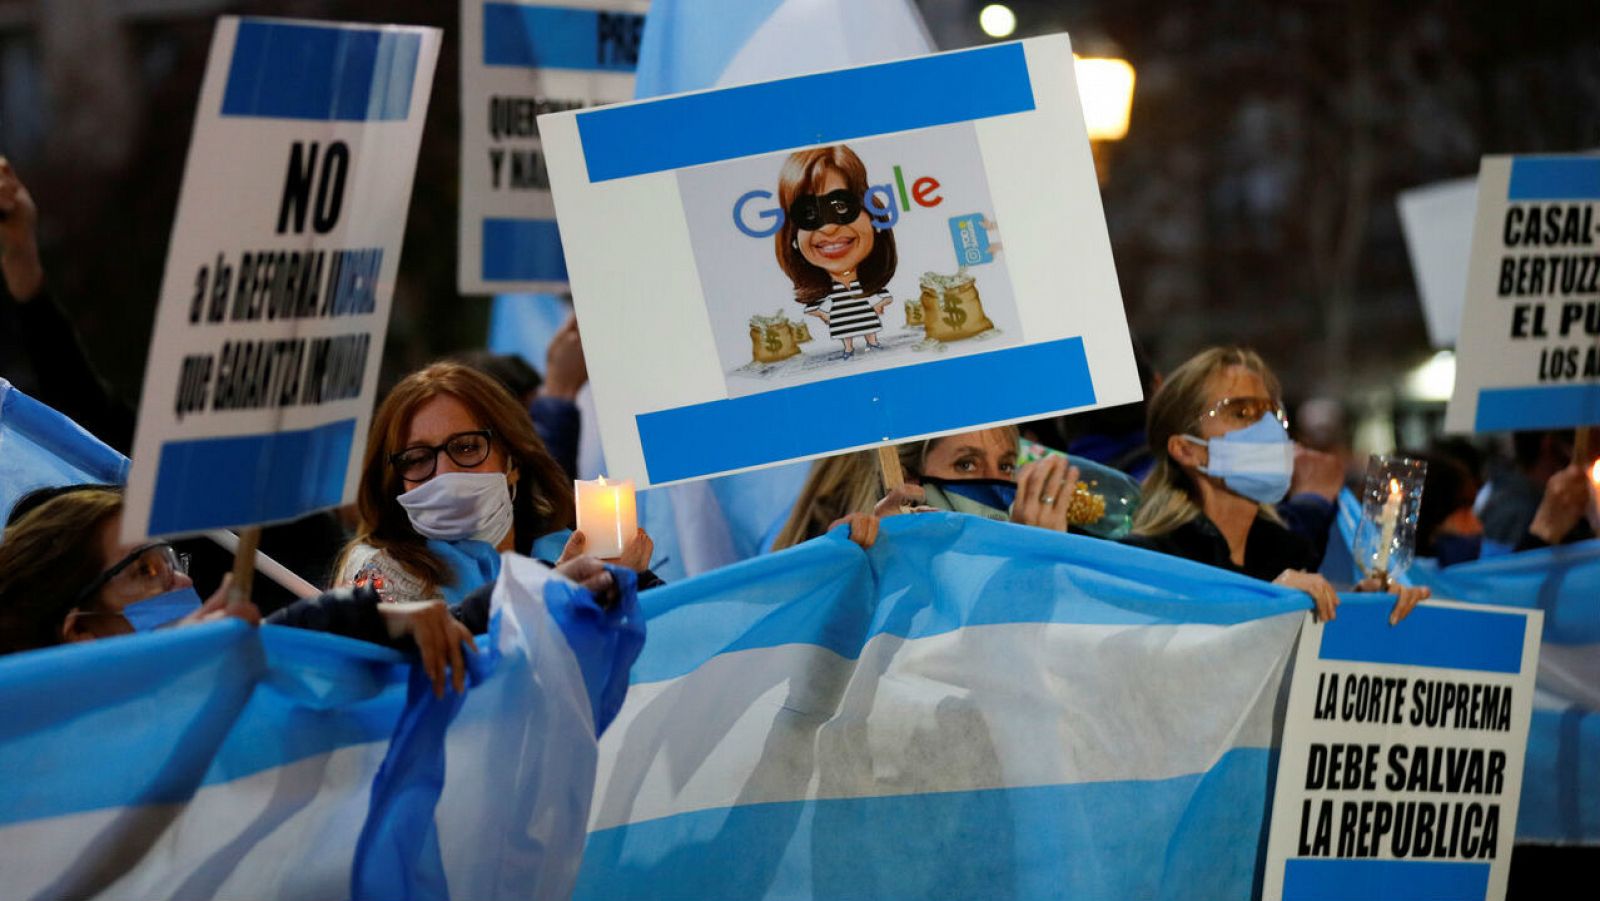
[1529,354]
[270,328]
[802,267]
[521,59]
[1401,764]
[1437,222]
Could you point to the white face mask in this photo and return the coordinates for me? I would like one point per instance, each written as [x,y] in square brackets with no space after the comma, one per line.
[456,505]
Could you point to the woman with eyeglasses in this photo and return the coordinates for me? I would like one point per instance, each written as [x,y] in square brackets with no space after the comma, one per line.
[454,475]
[1223,459]
[66,576]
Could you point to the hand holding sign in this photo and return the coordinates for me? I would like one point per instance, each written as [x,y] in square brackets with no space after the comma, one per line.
[19,247]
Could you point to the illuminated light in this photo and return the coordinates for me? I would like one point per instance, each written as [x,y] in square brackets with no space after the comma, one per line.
[997,20]
[1106,88]
[1434,380]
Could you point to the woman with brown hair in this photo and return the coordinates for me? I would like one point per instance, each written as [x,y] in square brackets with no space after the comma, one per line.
[1223,458]
[453,475]
[839,256]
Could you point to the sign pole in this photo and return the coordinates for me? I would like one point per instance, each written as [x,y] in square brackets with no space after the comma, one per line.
[889,464]
[244,563]
[1582,453]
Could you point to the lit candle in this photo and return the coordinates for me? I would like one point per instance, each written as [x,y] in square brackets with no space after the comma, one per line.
[1389,519]
[606,516]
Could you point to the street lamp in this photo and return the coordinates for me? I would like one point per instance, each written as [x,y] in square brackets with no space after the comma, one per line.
[1105,88]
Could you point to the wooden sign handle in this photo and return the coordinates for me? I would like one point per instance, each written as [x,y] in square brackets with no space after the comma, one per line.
[1582,453]
[889,463]
[244,563]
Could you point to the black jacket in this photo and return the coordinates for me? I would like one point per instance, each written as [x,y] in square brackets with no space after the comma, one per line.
[1269,549]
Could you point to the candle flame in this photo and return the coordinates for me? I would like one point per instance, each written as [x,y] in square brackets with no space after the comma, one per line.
[1394,487]
[1594,474]
[602,480]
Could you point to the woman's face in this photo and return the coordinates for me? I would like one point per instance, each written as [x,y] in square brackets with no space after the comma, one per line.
[837,249]
[989,454]
[1237,383]
[434,423]
[144,578]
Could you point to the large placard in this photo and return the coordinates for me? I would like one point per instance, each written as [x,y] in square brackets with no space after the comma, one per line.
[796,268]
[1529,353]
[519,60]
[1400,770]
[275,301]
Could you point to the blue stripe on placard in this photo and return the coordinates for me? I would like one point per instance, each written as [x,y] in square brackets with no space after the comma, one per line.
[1445,637]
[522,250]
[207,483]
[1552,407]
[1554,178]
[694,129]
[701,439]
[551,37]
[283,70]
[1384,880]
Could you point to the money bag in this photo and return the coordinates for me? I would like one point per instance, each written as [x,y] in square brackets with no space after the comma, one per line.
[951,307]
[772,338]
[914,313]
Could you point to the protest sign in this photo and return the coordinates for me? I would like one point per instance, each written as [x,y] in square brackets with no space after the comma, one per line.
[1437,222]
[1400,768]
[801,267]
[521,59]
[284,251]
[1529,353]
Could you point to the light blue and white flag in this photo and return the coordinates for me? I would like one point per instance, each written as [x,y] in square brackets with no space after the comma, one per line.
[968,710]
[221,761]
[40,448]
[1561,778]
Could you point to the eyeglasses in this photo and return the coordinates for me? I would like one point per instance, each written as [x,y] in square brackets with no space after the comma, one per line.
[811,211]
[466,449]
[150,569]
[1237,412]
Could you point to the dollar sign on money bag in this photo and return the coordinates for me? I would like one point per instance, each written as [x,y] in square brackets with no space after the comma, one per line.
[954,316]
[773,344]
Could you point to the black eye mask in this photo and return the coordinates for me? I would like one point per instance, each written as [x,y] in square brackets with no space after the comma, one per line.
[811,211]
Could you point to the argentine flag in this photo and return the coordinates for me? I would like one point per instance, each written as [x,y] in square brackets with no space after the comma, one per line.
[970,709]
[224,761]
[40,448]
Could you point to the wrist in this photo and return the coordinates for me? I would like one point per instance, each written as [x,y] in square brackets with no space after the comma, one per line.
[560,390]
[24,273]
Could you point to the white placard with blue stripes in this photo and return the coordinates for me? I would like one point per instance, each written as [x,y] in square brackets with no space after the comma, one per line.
[1400,771]
[1529,352]
[650,270]
[521,59]
[285,248]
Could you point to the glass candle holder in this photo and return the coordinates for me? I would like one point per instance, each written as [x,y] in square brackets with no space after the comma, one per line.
[1391,499]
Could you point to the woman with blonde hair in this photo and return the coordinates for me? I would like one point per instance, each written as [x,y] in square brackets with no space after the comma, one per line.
[454,474]
[970,472]
[1223,459]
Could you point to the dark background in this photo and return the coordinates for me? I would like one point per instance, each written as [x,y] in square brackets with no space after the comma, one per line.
[1252,201]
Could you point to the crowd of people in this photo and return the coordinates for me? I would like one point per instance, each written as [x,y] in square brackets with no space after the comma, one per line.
[472,457]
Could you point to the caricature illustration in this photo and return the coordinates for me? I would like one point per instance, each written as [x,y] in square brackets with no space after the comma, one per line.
[839,256]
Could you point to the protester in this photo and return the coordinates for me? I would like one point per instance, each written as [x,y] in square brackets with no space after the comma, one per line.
[1447,530]
[552,401]
[1223,460]
[1113,436]
[453,475]
[973,472]
[1515,491]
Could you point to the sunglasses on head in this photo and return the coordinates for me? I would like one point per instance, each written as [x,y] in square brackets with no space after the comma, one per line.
[812,211]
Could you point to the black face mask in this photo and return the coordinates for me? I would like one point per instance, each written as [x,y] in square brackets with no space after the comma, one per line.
[811,211]
[998,494]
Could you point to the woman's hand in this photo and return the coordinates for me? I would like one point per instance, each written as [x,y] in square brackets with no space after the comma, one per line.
[1567,498]
[1044,492]
[820,314]
[1322,593]
[590,573]
[907,498]
[19,246]
[439,638]
[564,366]
[221,605]
[863,528]
[635,555]
[1408,596]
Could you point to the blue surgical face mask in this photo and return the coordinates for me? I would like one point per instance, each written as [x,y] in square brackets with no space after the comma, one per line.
[164,608]
[1256,461]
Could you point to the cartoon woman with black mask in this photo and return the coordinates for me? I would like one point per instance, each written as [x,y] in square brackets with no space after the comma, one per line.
[839,261]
